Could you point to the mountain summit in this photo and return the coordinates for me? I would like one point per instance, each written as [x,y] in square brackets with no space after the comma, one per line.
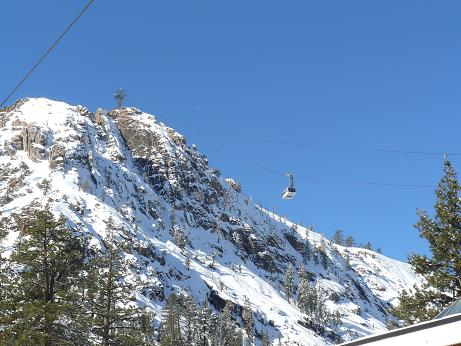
[188,229]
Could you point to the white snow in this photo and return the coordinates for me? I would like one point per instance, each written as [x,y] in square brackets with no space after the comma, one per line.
[95,184]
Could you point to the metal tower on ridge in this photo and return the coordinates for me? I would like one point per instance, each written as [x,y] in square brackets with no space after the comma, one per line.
[119,97]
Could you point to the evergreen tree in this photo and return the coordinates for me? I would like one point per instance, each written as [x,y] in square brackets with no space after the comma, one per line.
[179,237]
[303,291]
[307,298]
[288,282]
[226,330]
[116,320]
[187,261]
[324,260]
[41,295]
[315,255]
[213,260]
[442,270]
[170,329]
[322,253]
[218,228]
[311,301]
[307,251]
[248,321]
[349,242]
[321,314]
[338,237]
[337,320]
[172,217]
[366,246]
[265,340]
[45,186]
[238,338]
[206,325]
[190,323]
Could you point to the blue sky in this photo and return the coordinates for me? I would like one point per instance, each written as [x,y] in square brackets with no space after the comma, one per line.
[360,74]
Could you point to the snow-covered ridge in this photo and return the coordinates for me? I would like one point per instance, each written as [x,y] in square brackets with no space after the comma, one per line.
[170,206]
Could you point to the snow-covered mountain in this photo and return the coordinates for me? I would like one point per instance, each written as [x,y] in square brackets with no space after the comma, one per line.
[173,208]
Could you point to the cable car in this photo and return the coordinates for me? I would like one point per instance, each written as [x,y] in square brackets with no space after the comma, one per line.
[290,191]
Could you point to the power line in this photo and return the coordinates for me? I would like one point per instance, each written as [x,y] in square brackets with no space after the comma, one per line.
[39,61]
[324,146]
[342,181]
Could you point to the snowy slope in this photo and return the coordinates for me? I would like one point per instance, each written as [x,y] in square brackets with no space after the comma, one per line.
[127,165]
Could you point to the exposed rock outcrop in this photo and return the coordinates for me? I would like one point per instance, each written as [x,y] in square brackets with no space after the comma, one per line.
[34,142]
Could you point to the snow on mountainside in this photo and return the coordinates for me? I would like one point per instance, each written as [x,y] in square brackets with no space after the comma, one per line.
[127,165]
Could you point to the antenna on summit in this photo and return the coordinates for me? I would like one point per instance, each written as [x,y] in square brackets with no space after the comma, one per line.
[119,97]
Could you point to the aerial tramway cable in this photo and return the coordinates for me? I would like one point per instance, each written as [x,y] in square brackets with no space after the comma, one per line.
[48,51]
[340,181]
[328,147]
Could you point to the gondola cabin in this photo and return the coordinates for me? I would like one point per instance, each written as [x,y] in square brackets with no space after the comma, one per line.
[290,191]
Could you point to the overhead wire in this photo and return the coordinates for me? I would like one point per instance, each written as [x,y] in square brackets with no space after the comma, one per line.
[48,51]
[343,181]
[87,6]
[324,146]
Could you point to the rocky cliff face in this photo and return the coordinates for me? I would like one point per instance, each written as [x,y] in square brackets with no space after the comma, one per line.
[170,207]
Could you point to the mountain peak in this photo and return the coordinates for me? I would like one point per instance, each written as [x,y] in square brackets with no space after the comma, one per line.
[168,205]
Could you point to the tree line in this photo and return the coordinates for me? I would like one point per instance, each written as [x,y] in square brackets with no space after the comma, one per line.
[339,239]
[186,323]
[56,289]
[310,300]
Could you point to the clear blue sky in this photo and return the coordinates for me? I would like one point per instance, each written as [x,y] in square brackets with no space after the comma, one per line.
[346,73]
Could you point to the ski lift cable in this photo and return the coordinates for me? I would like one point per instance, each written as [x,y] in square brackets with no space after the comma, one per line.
[340,181]
[48,51]
[330,147]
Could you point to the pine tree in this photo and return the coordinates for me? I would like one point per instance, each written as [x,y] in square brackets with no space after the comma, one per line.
[324,260]
[315,255]
[187,261]
[45,186]
[265,340]
[442,270]
[322,252]
[172,217]
[337,320]
[307,251]
[303,290]
[41,297]
[349,242]
[338,237]
[206,325]
[218,228]
[226,330]
[189,311]
[213,260]
[170,328]
[366,246]
[321,313]
[110,297]
[307,298]
[248,321]
[238,339]
[288,282]
[179,237]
